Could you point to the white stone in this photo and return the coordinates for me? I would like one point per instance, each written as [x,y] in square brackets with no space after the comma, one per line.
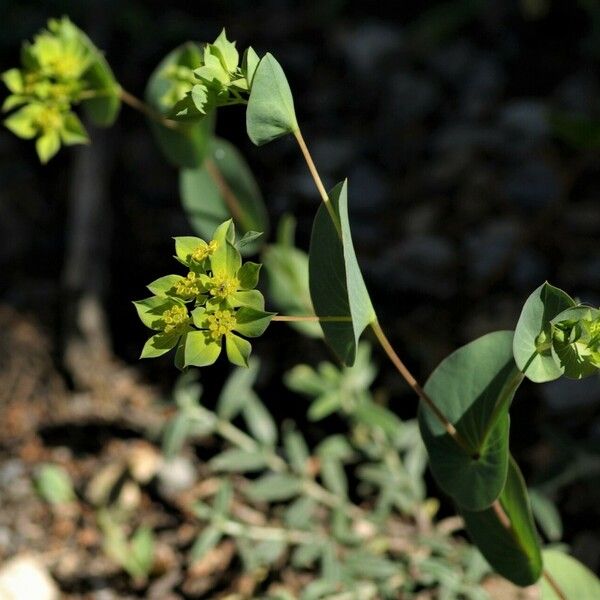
[25,578]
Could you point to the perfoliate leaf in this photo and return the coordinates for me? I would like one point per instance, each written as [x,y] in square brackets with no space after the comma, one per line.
[22,123]
[546,515]
[337,287]
[473,388]
[163,286]
[270,113]
[186,144]
[513,551]
[574,580]
[532,341]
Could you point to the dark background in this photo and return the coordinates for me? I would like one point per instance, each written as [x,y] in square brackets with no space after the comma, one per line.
[465,196]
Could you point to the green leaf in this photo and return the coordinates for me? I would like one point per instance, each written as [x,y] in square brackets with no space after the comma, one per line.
[229,54]
[174,435]
[226,259]
[300,514]
[22,122]
[54,485]
[274,487]
[47,146]
[160,344]
[150,310]
[513,552]
[248,275]
[163,286]
[73,132]
[104,109]
[575,581]
[223,188]
[237,390]
[377,416]
[142,551]
[546,514]
[259,421]
[235,460]
[185,145]
[200,349]
[473,388]
[13,79]
[248,299]
[238,350]
[532,347]
[337,287]
[270,113]
[334,477]
[296,450]
[250,62]
[206,541]
[252,322]
[325,405]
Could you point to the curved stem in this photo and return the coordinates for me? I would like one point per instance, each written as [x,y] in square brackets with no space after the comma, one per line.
[229,197]
[139,105]
[317,179]
[413,383]
[313,318]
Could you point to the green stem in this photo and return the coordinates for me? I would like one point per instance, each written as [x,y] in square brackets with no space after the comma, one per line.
[379,334]
[139,105]
[311,318]
[412,382]
[317,179]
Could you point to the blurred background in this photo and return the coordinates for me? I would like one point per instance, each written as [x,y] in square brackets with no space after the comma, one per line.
[469,131]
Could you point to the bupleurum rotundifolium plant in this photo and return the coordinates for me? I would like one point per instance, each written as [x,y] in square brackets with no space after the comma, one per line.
[464,405]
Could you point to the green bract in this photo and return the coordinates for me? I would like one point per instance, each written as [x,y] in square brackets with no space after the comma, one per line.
[219,291]
[60,69]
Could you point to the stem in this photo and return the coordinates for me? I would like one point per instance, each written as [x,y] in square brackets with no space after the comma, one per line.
[231,200]
[381,337]
[229,197]
[311,318]
[554,585]
[412,382]
[139,105]
[317,179]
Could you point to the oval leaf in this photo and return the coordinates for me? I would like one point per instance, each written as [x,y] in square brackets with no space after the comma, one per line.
[187,144]
[532,353]
[336,283]
[514,551]
[473,387]
[221,189]
[270,113]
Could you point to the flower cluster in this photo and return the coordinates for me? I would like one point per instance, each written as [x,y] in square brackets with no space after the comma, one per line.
[57,72]
[216,79]
[215,301]
[575,341]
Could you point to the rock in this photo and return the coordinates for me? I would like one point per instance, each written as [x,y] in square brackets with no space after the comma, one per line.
[25,578]
[176,476]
